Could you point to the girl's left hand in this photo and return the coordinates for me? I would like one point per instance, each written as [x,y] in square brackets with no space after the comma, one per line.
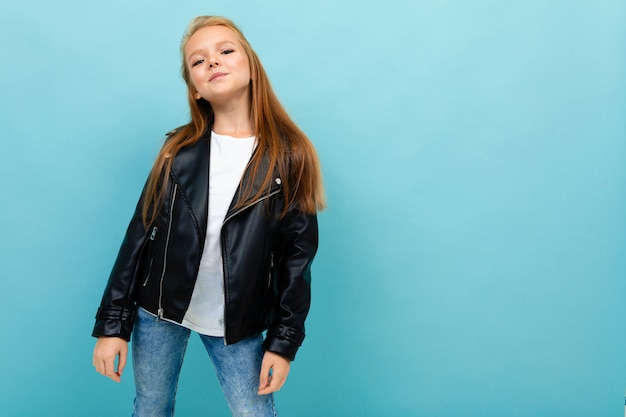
[279,367]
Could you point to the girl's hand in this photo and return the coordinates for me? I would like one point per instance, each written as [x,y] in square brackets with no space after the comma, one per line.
[279,367]
[104,354]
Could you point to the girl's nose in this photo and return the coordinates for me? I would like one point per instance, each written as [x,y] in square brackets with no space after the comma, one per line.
[213,63]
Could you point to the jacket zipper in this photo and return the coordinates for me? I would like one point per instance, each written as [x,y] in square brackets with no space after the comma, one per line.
[265,197]
[167,241]
[247,206]
[269,278]
[152,236]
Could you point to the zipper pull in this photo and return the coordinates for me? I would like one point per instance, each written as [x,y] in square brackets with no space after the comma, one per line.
[160,314]
[153,234]
[269,278]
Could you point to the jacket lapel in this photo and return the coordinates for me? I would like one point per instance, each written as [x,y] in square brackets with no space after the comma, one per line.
[257,183]
[191,172]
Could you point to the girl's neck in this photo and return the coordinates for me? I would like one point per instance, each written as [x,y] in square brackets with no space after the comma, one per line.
[233,119]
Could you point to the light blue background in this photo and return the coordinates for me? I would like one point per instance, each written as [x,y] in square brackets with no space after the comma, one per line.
[472,259]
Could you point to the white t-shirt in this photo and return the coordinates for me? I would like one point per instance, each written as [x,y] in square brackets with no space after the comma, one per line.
[228,159]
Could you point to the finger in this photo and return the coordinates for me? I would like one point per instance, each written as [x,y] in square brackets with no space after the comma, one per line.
[271,388]
[122,361]
[109,370]
[108,366]
[264,377]
[100,364]
[98,361]
[276,382]
[265,391]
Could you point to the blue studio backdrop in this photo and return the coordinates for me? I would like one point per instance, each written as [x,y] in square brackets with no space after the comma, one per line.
[472,257]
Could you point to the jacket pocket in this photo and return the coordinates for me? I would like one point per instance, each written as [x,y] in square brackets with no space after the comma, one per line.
[269,292]
[147,256]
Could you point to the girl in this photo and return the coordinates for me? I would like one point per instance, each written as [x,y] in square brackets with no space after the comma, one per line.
[221,241]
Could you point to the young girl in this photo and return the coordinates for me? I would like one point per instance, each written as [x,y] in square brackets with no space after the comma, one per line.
[221,241]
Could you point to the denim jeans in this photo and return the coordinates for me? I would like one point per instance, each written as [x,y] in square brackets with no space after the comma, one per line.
[158,349]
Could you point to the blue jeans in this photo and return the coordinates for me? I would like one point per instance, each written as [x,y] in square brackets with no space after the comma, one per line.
[158,349]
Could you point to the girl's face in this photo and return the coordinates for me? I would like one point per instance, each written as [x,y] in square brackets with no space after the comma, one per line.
[218,65]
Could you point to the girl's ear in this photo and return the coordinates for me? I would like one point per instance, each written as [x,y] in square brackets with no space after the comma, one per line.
[197,96]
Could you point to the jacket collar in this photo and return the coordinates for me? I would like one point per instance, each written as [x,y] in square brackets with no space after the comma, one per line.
[190,171]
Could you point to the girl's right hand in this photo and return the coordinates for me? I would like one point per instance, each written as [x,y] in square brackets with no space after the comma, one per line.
[104,354]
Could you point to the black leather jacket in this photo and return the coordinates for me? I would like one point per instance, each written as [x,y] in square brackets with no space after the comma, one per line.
[266,259]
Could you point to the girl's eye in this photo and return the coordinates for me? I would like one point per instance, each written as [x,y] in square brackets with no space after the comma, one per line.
[197,62]
[227,51]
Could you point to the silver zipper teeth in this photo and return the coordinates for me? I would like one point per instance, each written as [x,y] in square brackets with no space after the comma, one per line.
[250,205]
[269,278]
[152,236]
[167,241]
[148,274]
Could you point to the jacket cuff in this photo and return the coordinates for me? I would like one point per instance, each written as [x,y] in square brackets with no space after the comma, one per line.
[114,322]
[283,340]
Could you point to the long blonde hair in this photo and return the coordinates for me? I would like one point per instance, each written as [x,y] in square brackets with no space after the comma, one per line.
[287,147]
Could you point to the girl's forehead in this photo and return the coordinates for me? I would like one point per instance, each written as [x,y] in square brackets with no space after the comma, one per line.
[213,35]
[210,38]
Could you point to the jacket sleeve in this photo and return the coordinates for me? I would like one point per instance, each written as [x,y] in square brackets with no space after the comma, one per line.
[298,245]
[116,314]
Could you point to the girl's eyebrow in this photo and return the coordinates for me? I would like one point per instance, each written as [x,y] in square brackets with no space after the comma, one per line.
[224,42]
[218,44]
